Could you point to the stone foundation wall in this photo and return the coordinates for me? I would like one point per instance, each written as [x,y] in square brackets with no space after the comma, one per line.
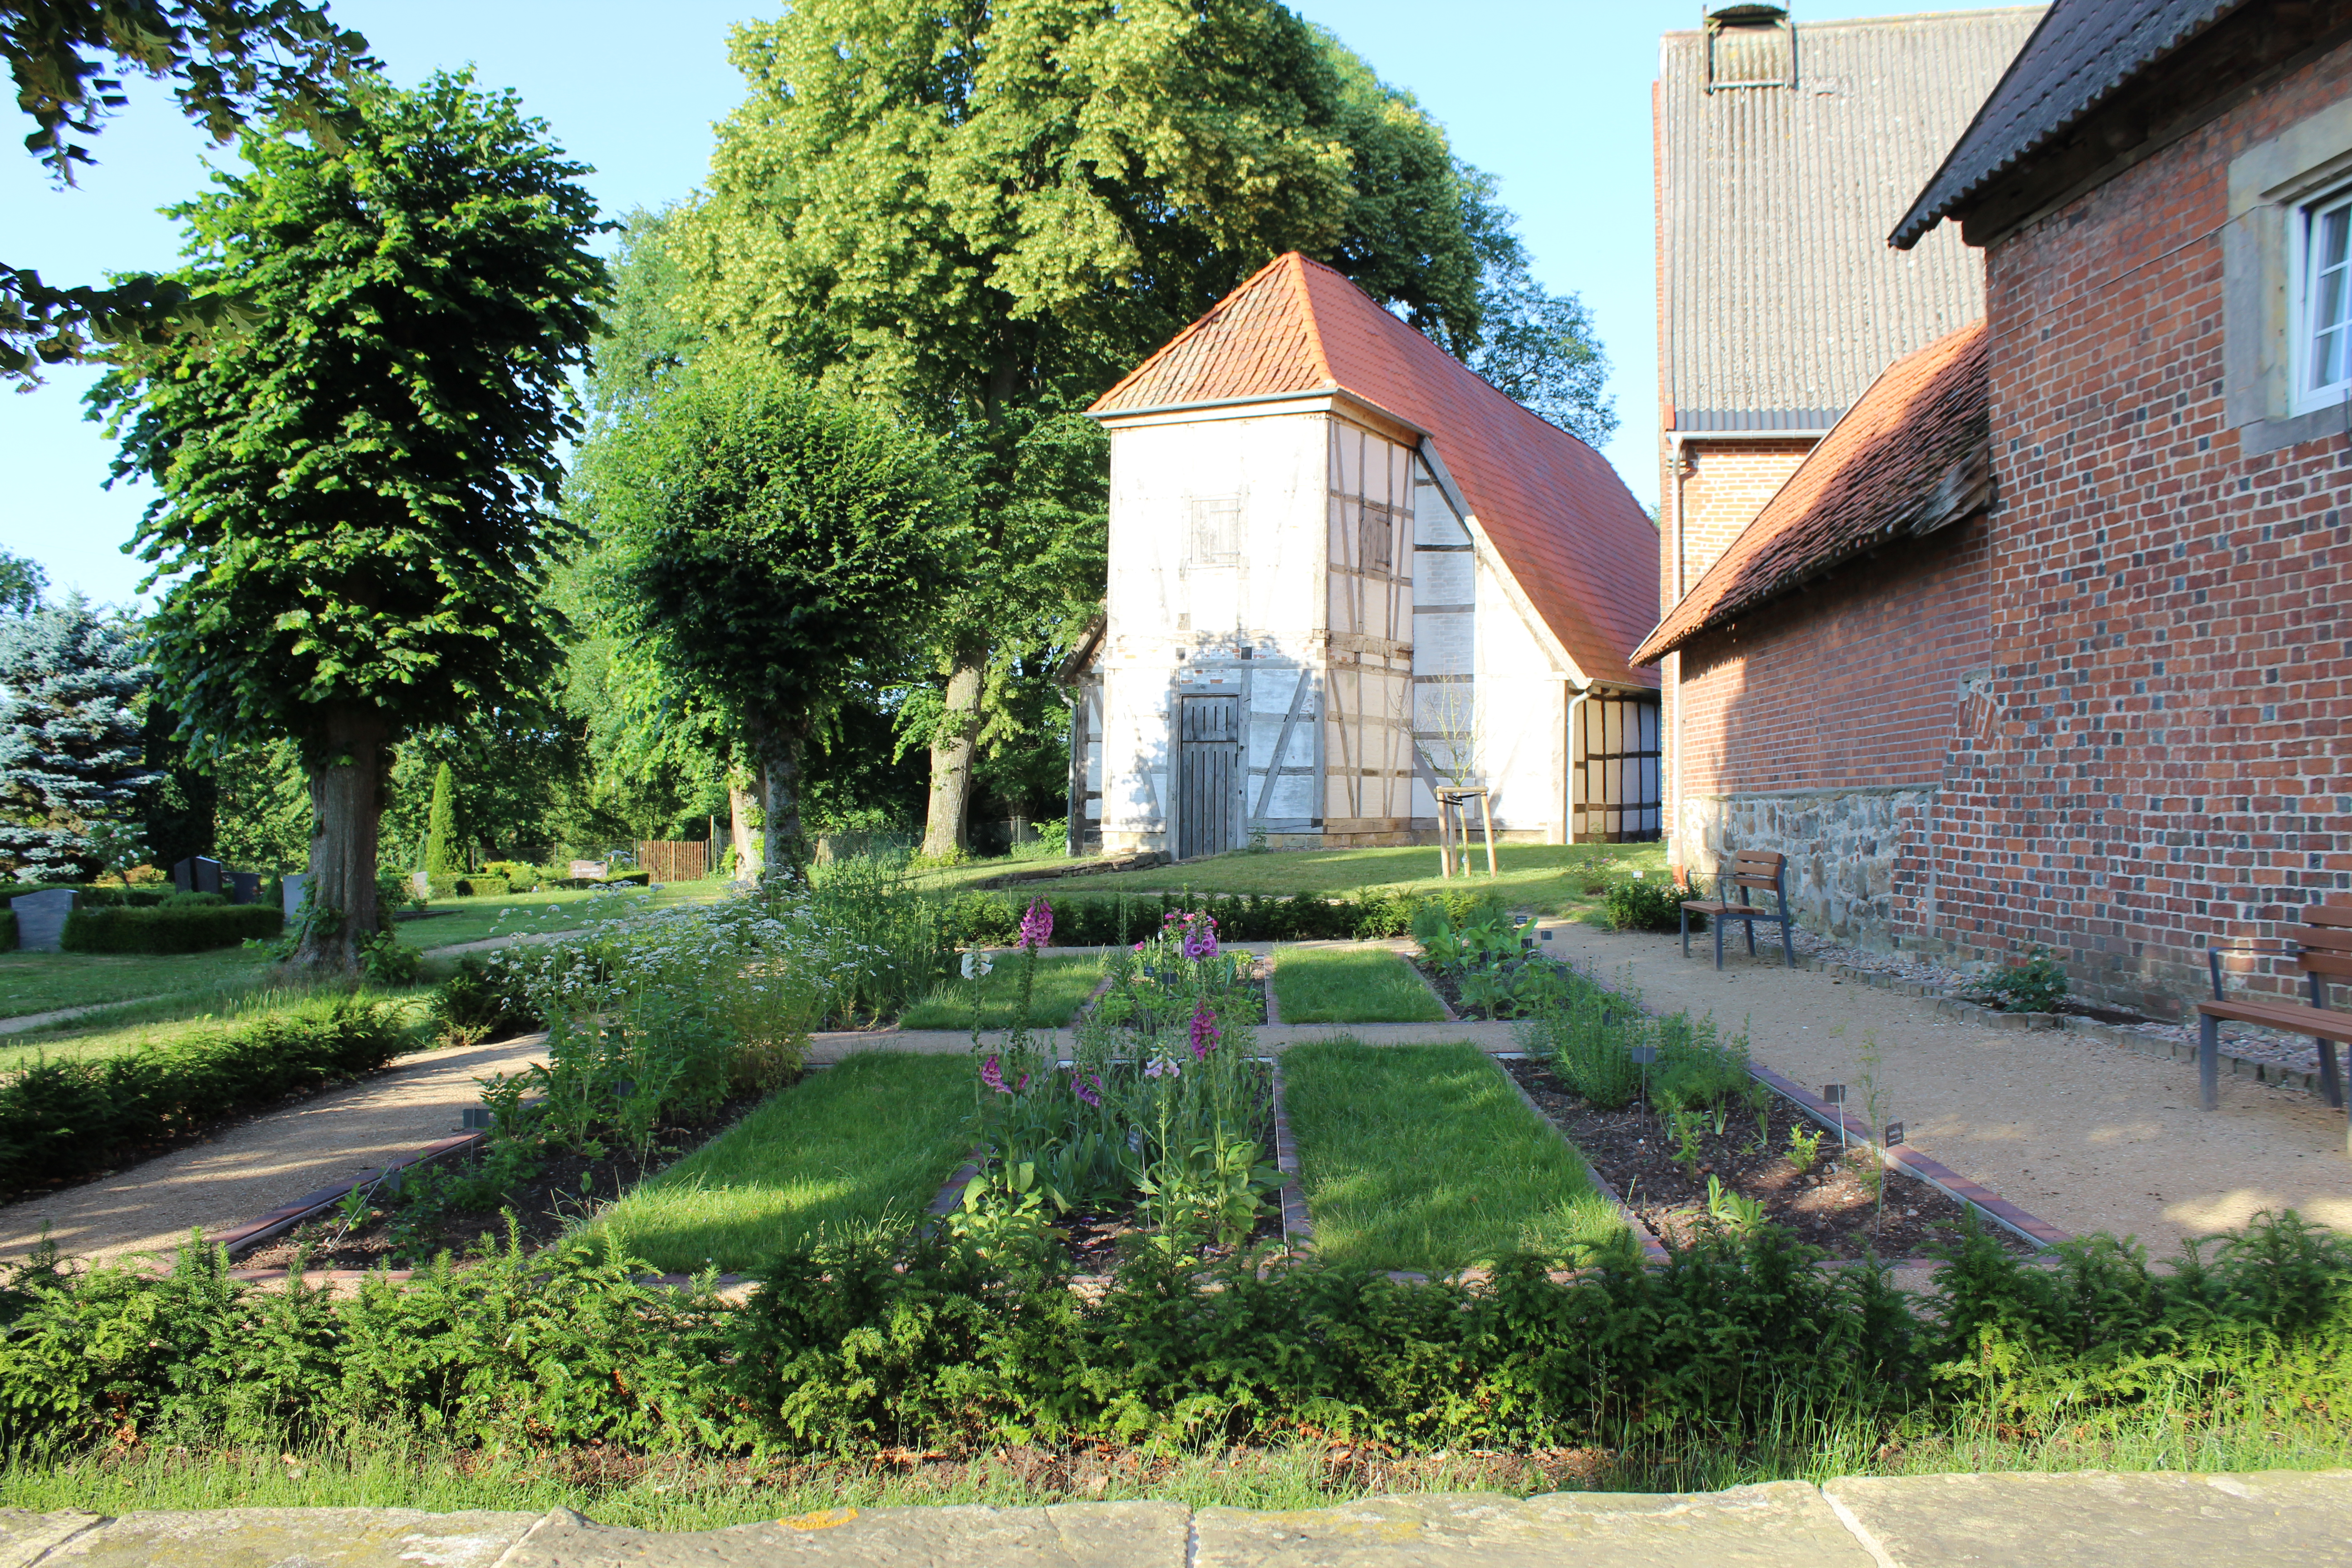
[1853,855]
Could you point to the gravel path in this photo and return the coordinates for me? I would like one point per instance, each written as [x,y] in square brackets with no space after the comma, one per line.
[272,1159]
[2087,1135]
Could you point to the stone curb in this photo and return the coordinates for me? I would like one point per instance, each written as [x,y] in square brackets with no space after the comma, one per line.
[2276,1519]
[1297,1225]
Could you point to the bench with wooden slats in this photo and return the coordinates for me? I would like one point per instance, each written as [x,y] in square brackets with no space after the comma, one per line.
[2323,950]
[1749,870]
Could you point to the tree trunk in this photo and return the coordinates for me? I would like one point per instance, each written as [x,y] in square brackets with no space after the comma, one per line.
[738,819]
[782,850]
[945,826]
[346,808]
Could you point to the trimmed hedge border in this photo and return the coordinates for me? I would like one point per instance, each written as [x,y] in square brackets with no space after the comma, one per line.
[75,1115]
[171,929]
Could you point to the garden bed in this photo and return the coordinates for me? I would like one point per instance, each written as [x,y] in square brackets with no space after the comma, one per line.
[1831,1206]
[568,1187]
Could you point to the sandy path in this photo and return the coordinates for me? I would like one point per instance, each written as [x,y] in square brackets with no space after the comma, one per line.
[2089,1136]
[273,1159]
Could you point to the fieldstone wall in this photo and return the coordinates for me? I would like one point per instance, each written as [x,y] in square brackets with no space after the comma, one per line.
[1851,853]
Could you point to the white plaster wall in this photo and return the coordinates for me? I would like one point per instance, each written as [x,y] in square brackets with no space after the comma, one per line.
[1523,718]
[1160,604]
[1444,640]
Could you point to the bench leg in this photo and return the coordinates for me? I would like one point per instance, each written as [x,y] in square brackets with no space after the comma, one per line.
[2331,1084]
[1787,946]
[1751,936]
[1717,921]
[2209,1061]
[1685,914]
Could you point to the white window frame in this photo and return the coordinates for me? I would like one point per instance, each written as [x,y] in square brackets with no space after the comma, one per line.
[2305,395]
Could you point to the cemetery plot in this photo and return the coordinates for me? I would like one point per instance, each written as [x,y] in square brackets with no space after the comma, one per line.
[1420,1157]
[1747,1157]
[1367,986]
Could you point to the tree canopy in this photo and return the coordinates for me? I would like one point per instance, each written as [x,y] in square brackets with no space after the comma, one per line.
[763,539]
[355,496]
[225,60]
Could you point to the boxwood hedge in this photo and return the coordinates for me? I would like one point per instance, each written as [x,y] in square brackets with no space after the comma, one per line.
[172,928]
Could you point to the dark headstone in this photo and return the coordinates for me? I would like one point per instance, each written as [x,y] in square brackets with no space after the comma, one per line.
[244,886]
[291,889]
[198,874]
[41,919]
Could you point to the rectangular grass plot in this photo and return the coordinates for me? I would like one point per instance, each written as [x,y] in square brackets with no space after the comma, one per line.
[1342,985]
[1422,1157]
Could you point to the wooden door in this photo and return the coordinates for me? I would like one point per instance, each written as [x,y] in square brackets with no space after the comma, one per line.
[1208,771]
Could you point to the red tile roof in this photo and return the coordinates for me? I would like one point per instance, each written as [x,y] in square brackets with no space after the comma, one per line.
[1913,456]
[1566,529]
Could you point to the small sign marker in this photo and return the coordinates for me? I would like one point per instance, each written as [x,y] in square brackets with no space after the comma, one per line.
[1893,1133]
[1834,1093]
[475,1119]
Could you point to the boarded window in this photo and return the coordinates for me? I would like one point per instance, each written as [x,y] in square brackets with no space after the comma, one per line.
[1215,534]
[1378,552]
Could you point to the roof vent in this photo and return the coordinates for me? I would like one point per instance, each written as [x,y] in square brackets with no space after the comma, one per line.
[1751,44]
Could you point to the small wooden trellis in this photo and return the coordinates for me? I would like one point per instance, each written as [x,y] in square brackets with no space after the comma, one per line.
[1453,818]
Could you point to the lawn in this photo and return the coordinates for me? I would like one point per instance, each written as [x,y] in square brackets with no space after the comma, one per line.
[1422,1157]
[1063,985]
[44,982]
[839,1149]
[120,1031]
[1343,986]
[455,921]
[1553,879]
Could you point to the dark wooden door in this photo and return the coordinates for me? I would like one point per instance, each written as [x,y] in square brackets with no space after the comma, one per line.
[1208,770]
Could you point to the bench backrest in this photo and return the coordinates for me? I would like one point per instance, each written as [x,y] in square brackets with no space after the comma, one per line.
[2326,938]
[1757,868]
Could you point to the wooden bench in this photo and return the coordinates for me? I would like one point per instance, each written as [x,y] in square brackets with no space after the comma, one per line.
[2324,952]
[1758,870]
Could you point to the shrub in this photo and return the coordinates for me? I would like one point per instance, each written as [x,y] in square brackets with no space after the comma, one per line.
[73,1115]
[2037,985]
[482,1001]
[480,887]
[1646,904]
[7,931]
[394,891]
[191,928]
[521,875]
[629,879]
[190,901]
[105,898]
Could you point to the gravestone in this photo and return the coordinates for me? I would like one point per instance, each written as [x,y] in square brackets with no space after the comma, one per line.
[198,874]
[291,892]
[421,884]
[41,919]
[244,886]
[588,870]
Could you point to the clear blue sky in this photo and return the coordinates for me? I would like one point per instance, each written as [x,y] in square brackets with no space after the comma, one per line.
[1550,96]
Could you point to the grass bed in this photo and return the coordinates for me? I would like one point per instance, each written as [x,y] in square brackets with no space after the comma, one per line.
[46,981]
[1063,985]
[1422,1157]
[135,1027]
[1336,986]
[841,1148]
[458,920]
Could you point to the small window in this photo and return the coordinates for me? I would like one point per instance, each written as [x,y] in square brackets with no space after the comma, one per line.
[2328,298]
[1376,551]
[1216,534]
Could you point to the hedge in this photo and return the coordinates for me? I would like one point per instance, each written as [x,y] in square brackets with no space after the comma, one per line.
[861,1344]
[185,928]
[482,886]
[1102,920]
[68,1117]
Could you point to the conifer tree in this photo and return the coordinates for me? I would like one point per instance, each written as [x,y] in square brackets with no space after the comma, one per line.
[441,825]
[71,743]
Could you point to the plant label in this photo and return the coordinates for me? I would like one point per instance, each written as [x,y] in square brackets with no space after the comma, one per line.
[1643,1055]
[1834,1094]
[1893,1133]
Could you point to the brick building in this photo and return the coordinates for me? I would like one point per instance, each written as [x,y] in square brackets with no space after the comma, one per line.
[1784,153]
[2110,707]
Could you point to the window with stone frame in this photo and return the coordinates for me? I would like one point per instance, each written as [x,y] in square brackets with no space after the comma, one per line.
[2325,307]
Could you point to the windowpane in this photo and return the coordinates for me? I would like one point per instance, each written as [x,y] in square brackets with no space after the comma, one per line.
[2327,290]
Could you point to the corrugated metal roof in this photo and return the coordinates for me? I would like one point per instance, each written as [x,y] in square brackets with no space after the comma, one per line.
[1783,300]
[1569,533]
[1914,455]
[2083,51]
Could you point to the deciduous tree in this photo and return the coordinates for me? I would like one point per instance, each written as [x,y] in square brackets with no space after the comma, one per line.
[765,538]
[354,511]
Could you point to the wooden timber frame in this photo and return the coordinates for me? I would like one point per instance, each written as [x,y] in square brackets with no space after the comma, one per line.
[1453,814]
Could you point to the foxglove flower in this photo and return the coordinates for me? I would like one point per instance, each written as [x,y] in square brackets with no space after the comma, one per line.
[1162,1067]
[1200,938]
[993,1075]
[1078,1086]
[976,964]
[1038,924]
[1205,1033]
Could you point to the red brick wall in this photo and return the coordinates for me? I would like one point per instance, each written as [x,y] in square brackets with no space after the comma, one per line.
[2163,756]
[1728,485]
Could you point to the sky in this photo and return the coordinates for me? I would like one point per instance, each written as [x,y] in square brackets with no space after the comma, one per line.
[1552,97]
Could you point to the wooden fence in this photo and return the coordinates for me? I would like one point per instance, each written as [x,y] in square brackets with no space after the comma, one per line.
[677,859]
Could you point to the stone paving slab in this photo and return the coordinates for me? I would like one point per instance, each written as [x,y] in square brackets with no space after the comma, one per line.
[2090,1519]
[288,1537]
[1784,1525]
[2266,1519]
[1066,1535]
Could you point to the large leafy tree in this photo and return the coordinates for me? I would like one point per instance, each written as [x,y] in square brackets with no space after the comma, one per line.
[763,539]
[989,211]
[354,496]
[225,60]
[72,754]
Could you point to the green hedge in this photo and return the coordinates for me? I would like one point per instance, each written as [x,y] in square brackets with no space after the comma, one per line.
[186,928]
[1102,919]
[481,887]
[68,1116]
[7,931]
[857,1344]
